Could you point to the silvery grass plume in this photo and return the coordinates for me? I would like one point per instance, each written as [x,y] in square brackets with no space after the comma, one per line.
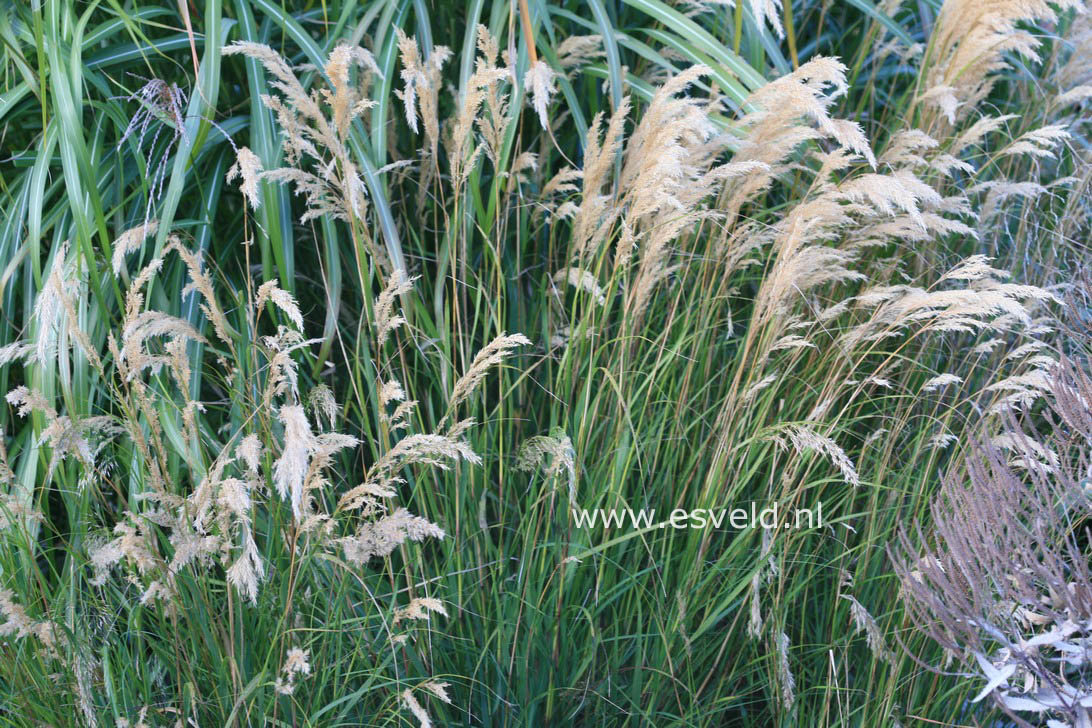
[16,509]
[577,51]
[669,167]
[130,241]
[51,644]
[553,453]
[539,84]
[764,12]
[1003,582]
[49,637]
[855,209]
[667,172]
[420,93]
[582,280]
[801,438]
[213,524]
[315,127]
[484,105]
[786,681]
[597,211]
[81,437]
[419,608]
[673,167]
[440,449]
[436,689]
[972,297]
[215,528]
[901,201]
[969,45]
[291,467]
[492,354]
[787,113]
[295,665]
[864,622]
[1073,66]
[917,161]
[284,455]
[57,311]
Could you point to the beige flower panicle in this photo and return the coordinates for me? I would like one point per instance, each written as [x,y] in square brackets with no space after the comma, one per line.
[291,467]
[597,211]
[554,453]
[345,101]
[421,88]
[802,438]
[484,104]
[439,689]
[202,284]
[429,449]
[82,438]
[14,507]
[296,664]
[285,301]
[56,308]
[1073,78]
[20,625]
[940,382]
[383,536]
[390,392]
[368,495]
[1039,143]
[249,451]
[413,706]
[419,609]
[130,241]
[248,169]
[322,403]
[386,320]
[785,680]
[432,687]
[539,83]
[578,50]
[248,570]
[864,622]
[15,351]
[971,43]
[783,115]
[492,354]
[583,280]
[755,621]
[130,545]
[315,130]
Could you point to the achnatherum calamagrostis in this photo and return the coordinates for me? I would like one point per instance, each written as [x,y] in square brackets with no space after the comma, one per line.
[315,129]
[857,200]
[212,525]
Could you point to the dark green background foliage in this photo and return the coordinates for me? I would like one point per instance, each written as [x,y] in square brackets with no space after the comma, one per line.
[638,627]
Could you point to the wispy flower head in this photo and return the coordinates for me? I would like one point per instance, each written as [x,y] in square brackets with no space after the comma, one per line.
[539,83]
[247,168]
[290,469]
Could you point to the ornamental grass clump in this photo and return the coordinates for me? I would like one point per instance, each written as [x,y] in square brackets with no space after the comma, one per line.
[265,513]
[313,361]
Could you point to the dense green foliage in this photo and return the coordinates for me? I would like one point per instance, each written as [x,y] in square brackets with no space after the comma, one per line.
[677,380]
